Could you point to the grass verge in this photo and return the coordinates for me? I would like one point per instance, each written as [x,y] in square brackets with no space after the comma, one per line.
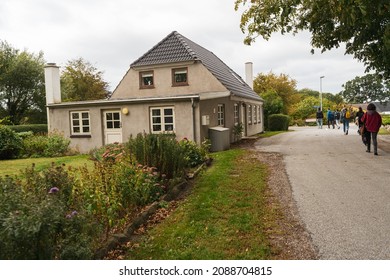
[15,166]
[223,218]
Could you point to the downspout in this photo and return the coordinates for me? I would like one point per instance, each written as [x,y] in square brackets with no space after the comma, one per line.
[193,105]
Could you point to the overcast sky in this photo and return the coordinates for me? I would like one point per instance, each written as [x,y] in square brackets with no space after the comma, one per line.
[111,34]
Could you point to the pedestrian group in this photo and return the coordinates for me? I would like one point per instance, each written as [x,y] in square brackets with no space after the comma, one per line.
[368,123]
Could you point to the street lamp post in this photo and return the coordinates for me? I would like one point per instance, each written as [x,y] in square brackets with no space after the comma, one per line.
[321,91]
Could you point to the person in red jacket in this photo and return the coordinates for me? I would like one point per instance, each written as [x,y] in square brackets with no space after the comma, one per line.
[373,121]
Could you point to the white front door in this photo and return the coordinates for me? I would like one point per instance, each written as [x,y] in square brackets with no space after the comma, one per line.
[112,127]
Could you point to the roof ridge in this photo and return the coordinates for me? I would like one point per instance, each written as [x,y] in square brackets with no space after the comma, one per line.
[153,48]
[183,41]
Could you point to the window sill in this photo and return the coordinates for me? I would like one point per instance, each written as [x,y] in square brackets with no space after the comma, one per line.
[81,136]
[180,85]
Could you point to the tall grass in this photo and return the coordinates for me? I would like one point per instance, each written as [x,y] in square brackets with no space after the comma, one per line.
[159,150]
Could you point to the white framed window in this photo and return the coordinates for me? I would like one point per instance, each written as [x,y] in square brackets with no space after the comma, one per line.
[80,123]
[254,114]
[236,114]
[162,119]
[249,114]
[221,115]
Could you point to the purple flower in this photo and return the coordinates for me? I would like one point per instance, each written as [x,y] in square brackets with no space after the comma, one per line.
[71,215]
[54,190]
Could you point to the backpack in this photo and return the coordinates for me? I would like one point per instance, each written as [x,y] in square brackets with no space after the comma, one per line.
[347,114]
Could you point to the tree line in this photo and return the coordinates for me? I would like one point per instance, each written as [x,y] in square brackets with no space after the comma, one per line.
[363,26]
[22,85]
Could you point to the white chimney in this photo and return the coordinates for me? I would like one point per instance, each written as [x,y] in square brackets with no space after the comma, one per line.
[52,83]
[249,74]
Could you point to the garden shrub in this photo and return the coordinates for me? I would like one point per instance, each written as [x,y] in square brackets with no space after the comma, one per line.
[34,146]
[52,145]
[10,143]
[194,155]
[386,119]
[158,150]
[38,220]
[278,122]
[57,145]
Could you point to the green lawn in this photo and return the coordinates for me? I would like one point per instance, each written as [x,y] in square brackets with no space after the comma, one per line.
[15,166]
[225,216]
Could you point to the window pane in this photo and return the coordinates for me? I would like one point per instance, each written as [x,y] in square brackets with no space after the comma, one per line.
[109,116]
[168,111]
[116,116]
[85,122]
[76,122]
[86,129]
[181,78]
[156,119]
[156,127]
[117,124]
[75,115]
[85,115]
[76,129]
[168,127]
[168,119]
[156,112]
[109,124]
[147,81]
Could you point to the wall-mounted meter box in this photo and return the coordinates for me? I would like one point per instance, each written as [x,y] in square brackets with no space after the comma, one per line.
[205,120]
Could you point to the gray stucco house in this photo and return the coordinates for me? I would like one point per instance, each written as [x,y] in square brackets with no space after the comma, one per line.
[177,86]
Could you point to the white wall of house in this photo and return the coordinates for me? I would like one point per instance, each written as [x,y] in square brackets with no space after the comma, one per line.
[137,120]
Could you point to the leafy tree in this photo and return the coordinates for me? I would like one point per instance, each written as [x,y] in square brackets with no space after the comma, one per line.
[282,85]
[363,25]
[273,104]
[305,108]
[82,81]
[21,83]
[370,87]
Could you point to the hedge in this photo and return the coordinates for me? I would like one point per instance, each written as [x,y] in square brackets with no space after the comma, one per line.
[278,122]
[35,128]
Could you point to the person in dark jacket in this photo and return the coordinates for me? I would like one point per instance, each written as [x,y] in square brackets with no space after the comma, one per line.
[330,117]
[372,121]
[359,116]
[319,117]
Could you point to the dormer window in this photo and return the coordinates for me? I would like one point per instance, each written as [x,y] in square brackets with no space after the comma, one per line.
[146,79]
[180,77]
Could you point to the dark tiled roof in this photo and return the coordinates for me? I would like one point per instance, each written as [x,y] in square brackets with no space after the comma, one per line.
[380,107]
[177,48]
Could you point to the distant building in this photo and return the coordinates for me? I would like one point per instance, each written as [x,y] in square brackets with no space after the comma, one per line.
[383,108]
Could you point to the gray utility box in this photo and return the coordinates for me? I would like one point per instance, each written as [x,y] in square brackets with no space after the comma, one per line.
[220,138]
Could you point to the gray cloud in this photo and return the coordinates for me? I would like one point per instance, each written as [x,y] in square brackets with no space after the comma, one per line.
[112,34]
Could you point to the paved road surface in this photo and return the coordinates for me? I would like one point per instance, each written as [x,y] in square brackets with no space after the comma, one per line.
[342,192]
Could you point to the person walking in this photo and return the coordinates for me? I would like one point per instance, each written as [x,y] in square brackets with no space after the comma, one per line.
[319,117]
[330,117]
[345,119]
[337,118]
[372,121]
[359,116]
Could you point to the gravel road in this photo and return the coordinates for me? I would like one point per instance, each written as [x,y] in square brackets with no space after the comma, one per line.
[342,192]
